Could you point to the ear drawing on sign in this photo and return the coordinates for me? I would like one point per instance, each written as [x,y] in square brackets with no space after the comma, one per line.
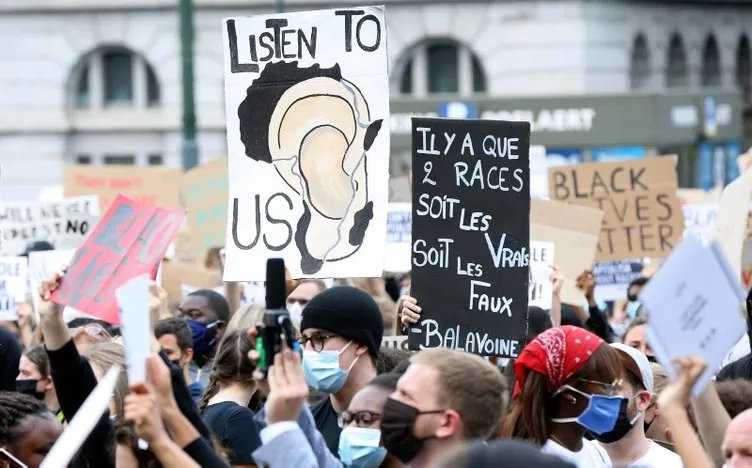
[315,127]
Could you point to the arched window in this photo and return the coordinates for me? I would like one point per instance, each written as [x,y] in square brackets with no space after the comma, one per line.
[743,63]
[640,63]
[676,68]
[442,66]
[114,77]
[710,75]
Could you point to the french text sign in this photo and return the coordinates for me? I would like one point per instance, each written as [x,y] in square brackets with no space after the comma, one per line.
[307,99]
[471,235]
[541,266]
[612,278]
[67,221]
[643,217]
[13,274]
[204,194]
[398,238]
[131,240]
[156,186]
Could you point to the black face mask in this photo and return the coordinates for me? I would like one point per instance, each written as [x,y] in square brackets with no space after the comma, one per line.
[29,387]
[397,421]
[622,426]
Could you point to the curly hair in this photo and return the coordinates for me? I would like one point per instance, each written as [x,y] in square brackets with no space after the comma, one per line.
[15,408]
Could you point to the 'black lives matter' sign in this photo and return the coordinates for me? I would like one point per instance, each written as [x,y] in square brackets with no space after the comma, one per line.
[471,234]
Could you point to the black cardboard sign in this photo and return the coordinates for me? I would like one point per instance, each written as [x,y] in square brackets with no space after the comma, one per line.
[471,235]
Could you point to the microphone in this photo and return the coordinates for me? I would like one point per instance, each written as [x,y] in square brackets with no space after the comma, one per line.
[276,329]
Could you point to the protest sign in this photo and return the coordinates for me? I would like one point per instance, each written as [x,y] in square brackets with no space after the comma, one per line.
[642,217]
[395,342]
[398,238]
[153,185]
[130,240]
[612,278]
[66,221]
[538,172]
[83,422]
[308,141]
[699,220]
[576,242]
[540,289]
[42,265]
[204,194]
[693,308]
[175,275]
[135,324]
[471,235]
[731,220]
[13,273]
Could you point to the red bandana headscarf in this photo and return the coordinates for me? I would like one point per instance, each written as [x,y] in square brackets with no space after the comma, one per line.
[557,354]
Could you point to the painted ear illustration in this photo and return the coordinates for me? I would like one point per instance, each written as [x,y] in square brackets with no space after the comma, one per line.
[318,132]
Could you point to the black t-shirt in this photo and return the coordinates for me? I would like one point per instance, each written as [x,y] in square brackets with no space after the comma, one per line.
[326,423]
[236,430]
[10,354]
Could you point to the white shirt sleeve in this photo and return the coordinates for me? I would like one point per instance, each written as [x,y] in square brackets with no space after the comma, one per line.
[270,432]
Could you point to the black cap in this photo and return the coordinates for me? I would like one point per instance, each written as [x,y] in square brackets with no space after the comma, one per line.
[37,246]
[348,312]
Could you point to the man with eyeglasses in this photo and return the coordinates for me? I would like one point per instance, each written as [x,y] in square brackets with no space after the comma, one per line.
[341,331]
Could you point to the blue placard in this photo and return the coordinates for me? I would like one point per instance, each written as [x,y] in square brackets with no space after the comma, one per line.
[458,110]
[617,153]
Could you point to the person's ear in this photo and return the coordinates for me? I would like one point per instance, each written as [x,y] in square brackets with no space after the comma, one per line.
[48,385]
[643,401]
[451,425]
[361,350]
[667,436]
[188,355]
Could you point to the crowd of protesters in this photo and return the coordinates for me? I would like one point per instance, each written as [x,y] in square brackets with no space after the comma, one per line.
[585,391]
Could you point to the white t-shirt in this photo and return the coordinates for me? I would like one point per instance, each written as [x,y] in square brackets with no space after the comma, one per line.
[658,457]
[590,456]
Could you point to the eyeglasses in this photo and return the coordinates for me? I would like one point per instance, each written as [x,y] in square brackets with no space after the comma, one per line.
[317,341]
[608,389]
[91,330]
[361,418]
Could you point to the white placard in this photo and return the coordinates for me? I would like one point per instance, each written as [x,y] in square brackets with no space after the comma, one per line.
[541,262]
[83,422]
[64,223]
[135,325]
[13,273]
[538,172]
[42,265]
[398,258]
[307,105]
[699,220]
[187,289]
[693,308]
[395,342]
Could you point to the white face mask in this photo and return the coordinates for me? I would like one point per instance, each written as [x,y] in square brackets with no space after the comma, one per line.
[296,313]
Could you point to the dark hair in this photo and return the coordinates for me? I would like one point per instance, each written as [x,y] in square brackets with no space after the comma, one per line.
[231,364]
[641,281]
[736,395]
[179,328]
[217,303]
[126,436]
[14,409]
[389,358]
[538,321]
[569,316]
[634,324]
[38,356]
[83,321]
[531,413]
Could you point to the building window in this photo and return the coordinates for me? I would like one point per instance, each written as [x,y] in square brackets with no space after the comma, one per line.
[119,159]
[744,65]
[83,159]
[676,70]
[441,66]
[154,160]
[640,63]
[711,63]
[114,77]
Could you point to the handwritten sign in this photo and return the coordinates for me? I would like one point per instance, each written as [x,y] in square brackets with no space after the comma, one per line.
[204,194]
[307,98]
[156,186]
[731,220]
[643,217]
[176,274]
[398,238]
[13,271]
[42,265]
[612,278]
[395,342]
[66,221]
[699,220]
[131,240]
[471,235]
[540,288]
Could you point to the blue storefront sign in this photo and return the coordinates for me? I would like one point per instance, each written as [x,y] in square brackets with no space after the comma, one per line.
[563,156]
[458,110]
[617,153]
[716,164]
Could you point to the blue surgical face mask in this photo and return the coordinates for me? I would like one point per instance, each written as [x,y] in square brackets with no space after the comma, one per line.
[322,371]
[204,336]
[360,447]
[600,415]
[632,308]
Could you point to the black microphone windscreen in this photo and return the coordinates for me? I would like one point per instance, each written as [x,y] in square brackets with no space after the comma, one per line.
[276,291]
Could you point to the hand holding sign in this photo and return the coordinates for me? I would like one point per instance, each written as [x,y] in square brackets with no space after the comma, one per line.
[586,283]
[49,309]
[410,312]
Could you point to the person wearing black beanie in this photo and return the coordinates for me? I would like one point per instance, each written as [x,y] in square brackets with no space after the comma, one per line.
[342,330]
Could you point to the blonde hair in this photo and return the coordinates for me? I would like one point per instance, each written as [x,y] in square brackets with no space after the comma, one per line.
[660,378]
[469,385]
[105,355]
[246,317]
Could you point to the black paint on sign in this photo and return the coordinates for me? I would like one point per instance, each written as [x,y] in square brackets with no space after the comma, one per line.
[471,234]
